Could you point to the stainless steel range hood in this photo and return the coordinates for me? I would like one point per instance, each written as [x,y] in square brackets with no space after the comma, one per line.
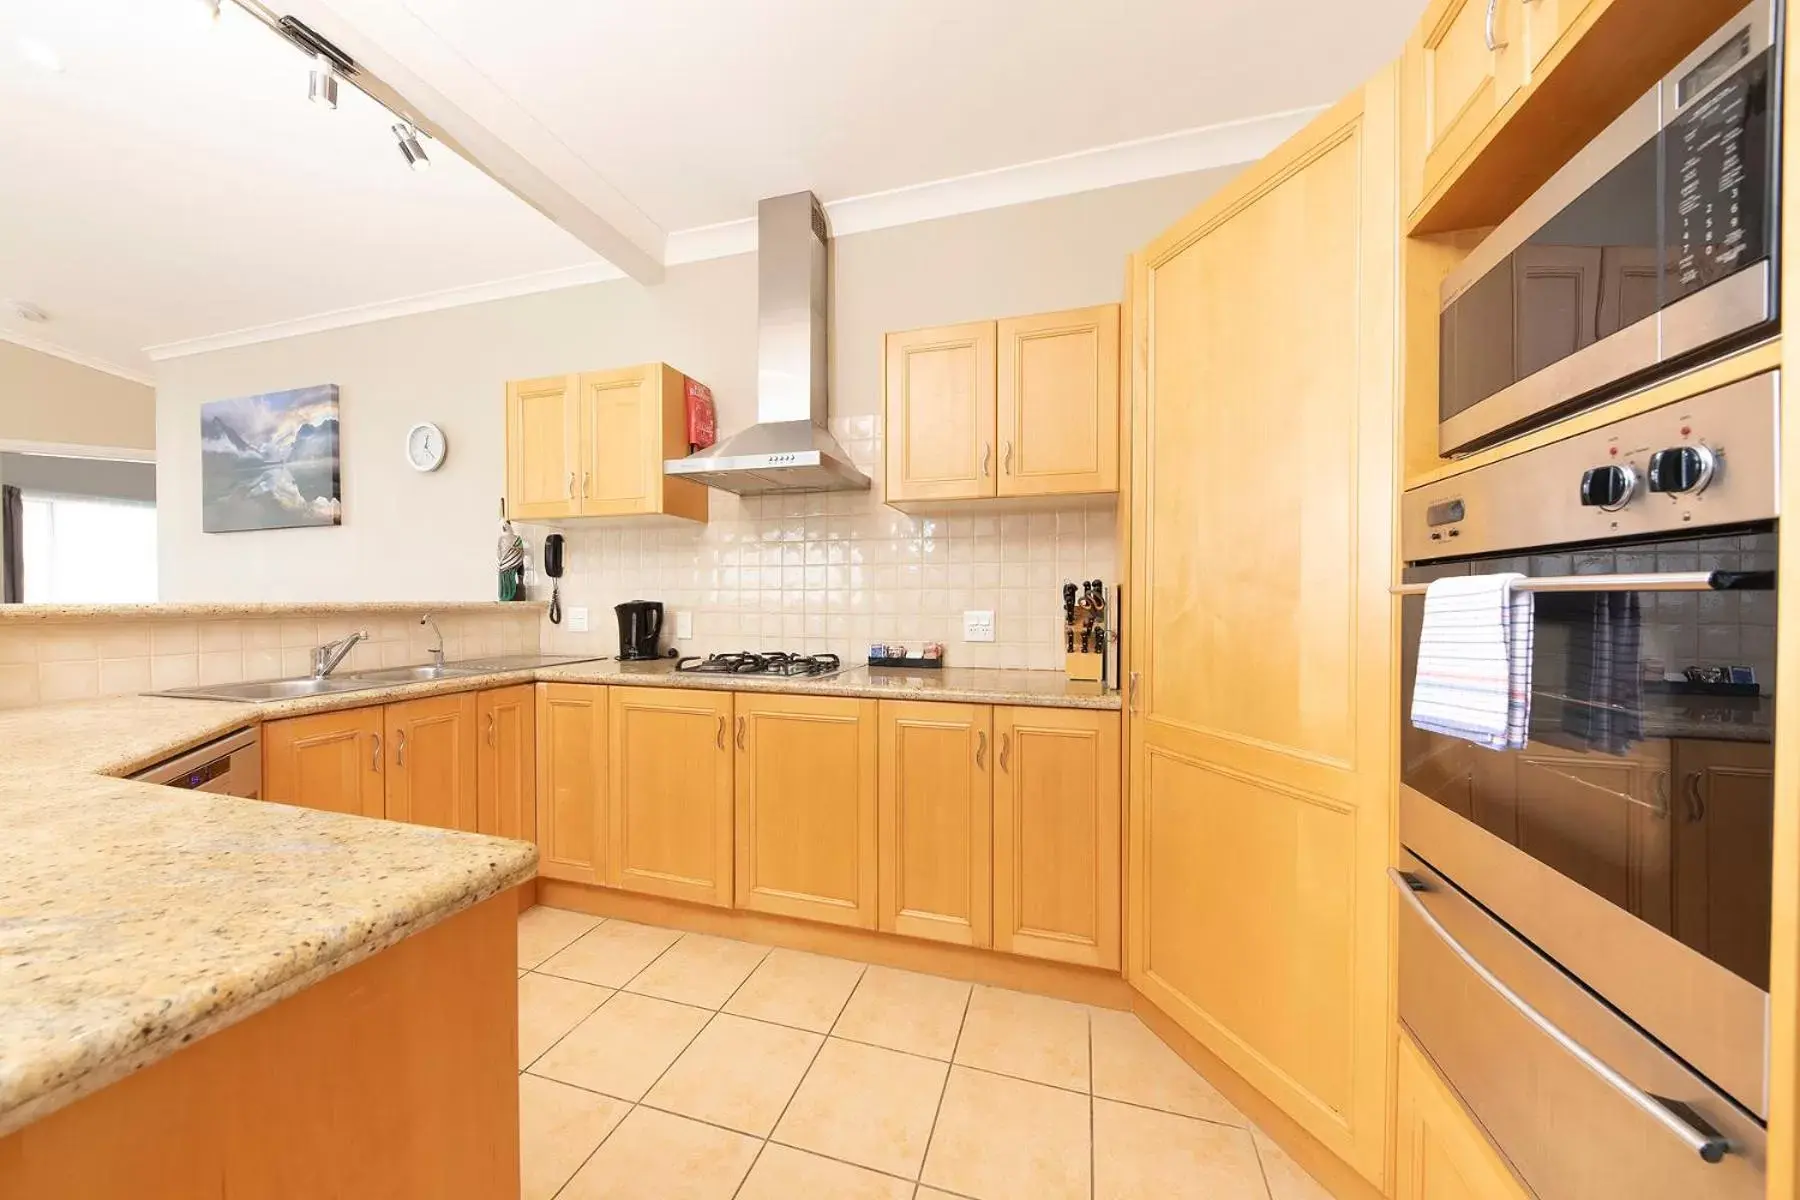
[789,449]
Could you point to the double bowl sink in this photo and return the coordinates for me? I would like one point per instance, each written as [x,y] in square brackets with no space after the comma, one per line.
[266,691]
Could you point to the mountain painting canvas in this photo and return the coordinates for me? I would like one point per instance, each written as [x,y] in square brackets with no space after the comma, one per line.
[270,461]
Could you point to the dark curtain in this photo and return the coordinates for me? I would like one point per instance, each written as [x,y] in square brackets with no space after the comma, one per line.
[12,546]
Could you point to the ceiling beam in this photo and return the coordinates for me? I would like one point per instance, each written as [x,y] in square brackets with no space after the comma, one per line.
[406,65]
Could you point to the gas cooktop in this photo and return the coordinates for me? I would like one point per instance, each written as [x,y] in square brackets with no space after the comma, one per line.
[745,662]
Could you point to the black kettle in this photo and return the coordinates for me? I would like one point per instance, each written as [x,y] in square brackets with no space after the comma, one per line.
[640,627]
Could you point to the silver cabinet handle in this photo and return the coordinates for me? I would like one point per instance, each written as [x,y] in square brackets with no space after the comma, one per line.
[1006,459]
[741,731]
[571,485]
[1492,5]
[1696,811]
[490,729]
[1131,692]
[721,738]
[400,749]
[1006,752]
[981,749]
[1707,1144]
[587,483]
[375,754]
[987,452]
[1660,782]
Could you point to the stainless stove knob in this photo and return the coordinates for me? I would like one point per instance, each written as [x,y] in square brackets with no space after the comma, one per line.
[1682,469]
[1608,488]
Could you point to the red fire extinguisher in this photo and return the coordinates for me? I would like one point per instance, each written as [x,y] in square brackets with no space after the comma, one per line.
[702,417]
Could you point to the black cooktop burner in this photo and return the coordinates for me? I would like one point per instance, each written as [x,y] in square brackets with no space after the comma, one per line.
[745,662]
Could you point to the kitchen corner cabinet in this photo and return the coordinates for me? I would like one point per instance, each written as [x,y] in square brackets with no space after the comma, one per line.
[1440,1152]
[432,748]
[1056,834]
[506,793]
[669,806]
[593,445]
[571,781]
[806,807]
[331,761]
[936,806]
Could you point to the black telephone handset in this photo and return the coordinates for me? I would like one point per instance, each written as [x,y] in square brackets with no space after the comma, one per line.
[553,567]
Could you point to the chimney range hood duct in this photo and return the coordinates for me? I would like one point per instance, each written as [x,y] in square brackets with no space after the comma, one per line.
[789,448]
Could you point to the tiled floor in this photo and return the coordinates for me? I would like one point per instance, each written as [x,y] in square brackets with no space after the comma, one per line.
[656,1064]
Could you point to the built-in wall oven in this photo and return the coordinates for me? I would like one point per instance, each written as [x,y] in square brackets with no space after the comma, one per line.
[1585,923]
[1654,245]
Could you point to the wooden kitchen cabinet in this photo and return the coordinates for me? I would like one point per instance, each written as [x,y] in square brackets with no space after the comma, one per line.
[432,774]
[936,806]
[941,413]
[669,804]
[506,760]
[330,761]
[1440,1152]
[1466,59]
[543,448]
[1058,403]
[571,781]
[1056,834]
[806,807]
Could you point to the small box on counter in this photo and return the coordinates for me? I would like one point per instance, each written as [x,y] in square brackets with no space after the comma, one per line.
[931,656]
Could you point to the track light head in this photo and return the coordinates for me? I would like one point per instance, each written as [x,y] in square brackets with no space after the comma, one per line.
[410,147]
[322,87]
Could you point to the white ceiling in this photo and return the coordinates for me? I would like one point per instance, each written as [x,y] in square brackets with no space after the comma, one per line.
[172,183]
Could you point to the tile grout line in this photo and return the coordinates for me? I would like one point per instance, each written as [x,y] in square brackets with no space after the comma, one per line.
[944,1090]
[1093,1154]
[776,1124]
[1261,1167]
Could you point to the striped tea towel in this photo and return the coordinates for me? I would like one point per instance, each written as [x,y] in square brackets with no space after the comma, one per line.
[1474,674]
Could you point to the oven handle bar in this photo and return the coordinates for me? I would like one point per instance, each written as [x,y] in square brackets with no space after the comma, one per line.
[1703,1141]
[1664,581]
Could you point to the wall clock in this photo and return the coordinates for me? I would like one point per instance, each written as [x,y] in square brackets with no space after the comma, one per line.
[426,446]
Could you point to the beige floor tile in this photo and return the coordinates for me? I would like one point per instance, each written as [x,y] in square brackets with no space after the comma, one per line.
[931,1193]
[655,1156]
[559,1126]
[1139,1152]
[699,970]
[782,1173]
[738,1073]
[622,1048]
[1006,1139]
[544,931]
[611,954]
[902,1010]
[549,1008]
[1287,1179]
[1029,1037]
[865,1105]
[807,991]
[1134,1065]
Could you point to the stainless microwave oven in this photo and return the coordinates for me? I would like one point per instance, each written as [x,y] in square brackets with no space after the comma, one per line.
[1652,249]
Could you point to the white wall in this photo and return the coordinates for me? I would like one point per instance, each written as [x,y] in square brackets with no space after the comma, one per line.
[45,400]
[407,536]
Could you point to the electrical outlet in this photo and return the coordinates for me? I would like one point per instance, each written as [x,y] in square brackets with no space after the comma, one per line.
[578,620]
[978,626]
[684,626]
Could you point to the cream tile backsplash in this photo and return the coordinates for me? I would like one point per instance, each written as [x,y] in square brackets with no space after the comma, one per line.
[82,660]
[837,571]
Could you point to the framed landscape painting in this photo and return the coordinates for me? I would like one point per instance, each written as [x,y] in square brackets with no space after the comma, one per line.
[270,461]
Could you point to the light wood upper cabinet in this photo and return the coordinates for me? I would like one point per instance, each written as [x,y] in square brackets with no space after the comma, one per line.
[940,413]
[1466,60]
[506,793]
[1440,1152]
[543,457]
[1056,834]
[571,781]
[937,819]
[669,807]
[432,774]
[1058,403]
[330,761]
[1546,22]
[806,807]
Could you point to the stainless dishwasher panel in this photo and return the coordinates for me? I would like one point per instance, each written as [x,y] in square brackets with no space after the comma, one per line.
[229,766]
[1568,1132]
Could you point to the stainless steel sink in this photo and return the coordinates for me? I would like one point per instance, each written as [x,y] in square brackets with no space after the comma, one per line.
[261,691]
[423,674]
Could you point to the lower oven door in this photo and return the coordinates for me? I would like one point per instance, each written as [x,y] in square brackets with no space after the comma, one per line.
[1581,1102]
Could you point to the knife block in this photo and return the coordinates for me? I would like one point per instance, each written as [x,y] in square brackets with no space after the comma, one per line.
[1086,667]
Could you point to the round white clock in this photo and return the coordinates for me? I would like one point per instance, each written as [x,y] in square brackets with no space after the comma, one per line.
[426,446]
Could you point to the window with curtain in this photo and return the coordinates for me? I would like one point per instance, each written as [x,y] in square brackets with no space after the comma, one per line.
[82,550]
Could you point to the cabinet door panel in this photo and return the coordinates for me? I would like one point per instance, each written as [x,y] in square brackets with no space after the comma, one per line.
[542,430]
[937,791]
[1464,83]
[1440,1152]
[806,807]
[621,437]
[1056,834]
[1058,403]
[940,413]
[571,781]
[331,761]
[433,776]
[670,801]
[506,795]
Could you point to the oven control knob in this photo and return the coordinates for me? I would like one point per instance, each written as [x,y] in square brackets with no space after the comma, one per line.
[1608,488]
[1682,469]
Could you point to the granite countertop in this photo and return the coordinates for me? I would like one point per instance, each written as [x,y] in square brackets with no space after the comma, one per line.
[135,919]
[962,685]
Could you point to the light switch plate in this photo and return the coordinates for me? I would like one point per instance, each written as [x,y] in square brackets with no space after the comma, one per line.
[578,620]
[978,626]
[684,626]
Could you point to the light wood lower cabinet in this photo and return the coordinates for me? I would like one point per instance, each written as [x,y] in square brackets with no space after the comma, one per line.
[506,793]
[571,781]
[1440,1152]
[669,804]
[432,748]
[331,761]
[937,820]
[1056,834]
[806,808]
